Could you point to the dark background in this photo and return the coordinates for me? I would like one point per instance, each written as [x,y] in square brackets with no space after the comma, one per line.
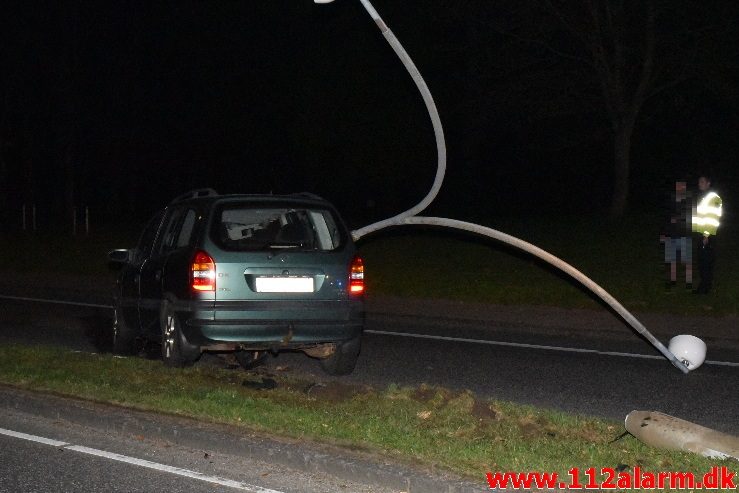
[120,106]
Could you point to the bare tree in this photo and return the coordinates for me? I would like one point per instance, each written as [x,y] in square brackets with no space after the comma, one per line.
[627,50]
[620,40]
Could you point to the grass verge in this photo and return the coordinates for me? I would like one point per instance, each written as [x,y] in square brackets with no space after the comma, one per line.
[426,425]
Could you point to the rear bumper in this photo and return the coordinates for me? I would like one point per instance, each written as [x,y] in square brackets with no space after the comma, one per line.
[272,323]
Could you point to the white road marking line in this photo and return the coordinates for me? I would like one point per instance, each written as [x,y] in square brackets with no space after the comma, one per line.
[57,302]
[442,338]
[170,469]
[140,462]
[534,346]
[33,438]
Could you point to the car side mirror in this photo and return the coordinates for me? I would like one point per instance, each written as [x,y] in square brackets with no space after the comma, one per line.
[120,256]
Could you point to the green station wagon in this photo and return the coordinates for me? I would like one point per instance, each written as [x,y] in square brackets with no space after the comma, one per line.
[248,274]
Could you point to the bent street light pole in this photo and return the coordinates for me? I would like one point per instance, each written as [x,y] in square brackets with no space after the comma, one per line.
[435,120]
[410,217]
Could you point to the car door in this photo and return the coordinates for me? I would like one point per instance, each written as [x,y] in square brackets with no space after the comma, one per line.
[130,274]
[150,280]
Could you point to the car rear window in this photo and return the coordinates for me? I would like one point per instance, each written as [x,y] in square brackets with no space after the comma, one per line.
[250,227]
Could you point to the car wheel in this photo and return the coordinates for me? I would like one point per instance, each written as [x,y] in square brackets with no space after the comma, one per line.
[344,359]
[250,359]
[124,338]
[176,351]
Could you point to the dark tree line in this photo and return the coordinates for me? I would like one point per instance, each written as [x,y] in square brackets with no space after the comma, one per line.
[633,51]
[123,106]
[619,62]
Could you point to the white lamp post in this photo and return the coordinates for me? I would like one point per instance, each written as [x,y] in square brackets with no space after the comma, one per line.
[435,120]
[410,216]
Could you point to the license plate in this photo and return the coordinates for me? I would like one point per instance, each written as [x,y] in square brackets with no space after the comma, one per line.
[284,284]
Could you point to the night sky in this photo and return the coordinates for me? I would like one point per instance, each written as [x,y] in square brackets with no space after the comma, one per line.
[120,106]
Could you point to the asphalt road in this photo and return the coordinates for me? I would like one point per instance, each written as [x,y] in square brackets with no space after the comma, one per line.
[42,454]
[496,359]
[584,383]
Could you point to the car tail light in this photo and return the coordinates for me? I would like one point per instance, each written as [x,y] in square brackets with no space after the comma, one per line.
[356,276]
[203,272]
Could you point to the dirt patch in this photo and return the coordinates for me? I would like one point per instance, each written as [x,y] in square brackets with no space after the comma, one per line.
[536,428]
[424,393]
[530,429]
[436,397]
[264,384]
[591,434]
[334,391]
[483,411]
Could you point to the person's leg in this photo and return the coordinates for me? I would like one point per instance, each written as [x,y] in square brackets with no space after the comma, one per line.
[671,261]
[710,259]
[686,257]
[705,266]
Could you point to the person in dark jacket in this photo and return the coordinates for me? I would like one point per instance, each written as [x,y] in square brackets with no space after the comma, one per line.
[676,236]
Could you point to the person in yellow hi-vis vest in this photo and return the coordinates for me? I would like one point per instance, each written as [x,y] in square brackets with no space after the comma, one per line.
[706,221]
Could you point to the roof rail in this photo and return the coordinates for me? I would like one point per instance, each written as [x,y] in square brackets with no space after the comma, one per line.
[194,194]
[307,195]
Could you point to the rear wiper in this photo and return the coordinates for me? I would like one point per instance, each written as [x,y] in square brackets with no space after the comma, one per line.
[282,245]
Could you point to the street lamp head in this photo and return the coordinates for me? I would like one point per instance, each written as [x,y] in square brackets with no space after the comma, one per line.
[322,1]
[688,349]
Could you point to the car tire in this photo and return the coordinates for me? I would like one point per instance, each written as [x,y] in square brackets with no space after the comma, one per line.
[176,351]
[124,337]
[344,359]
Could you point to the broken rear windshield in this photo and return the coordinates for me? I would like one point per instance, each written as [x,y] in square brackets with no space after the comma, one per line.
[249,227]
